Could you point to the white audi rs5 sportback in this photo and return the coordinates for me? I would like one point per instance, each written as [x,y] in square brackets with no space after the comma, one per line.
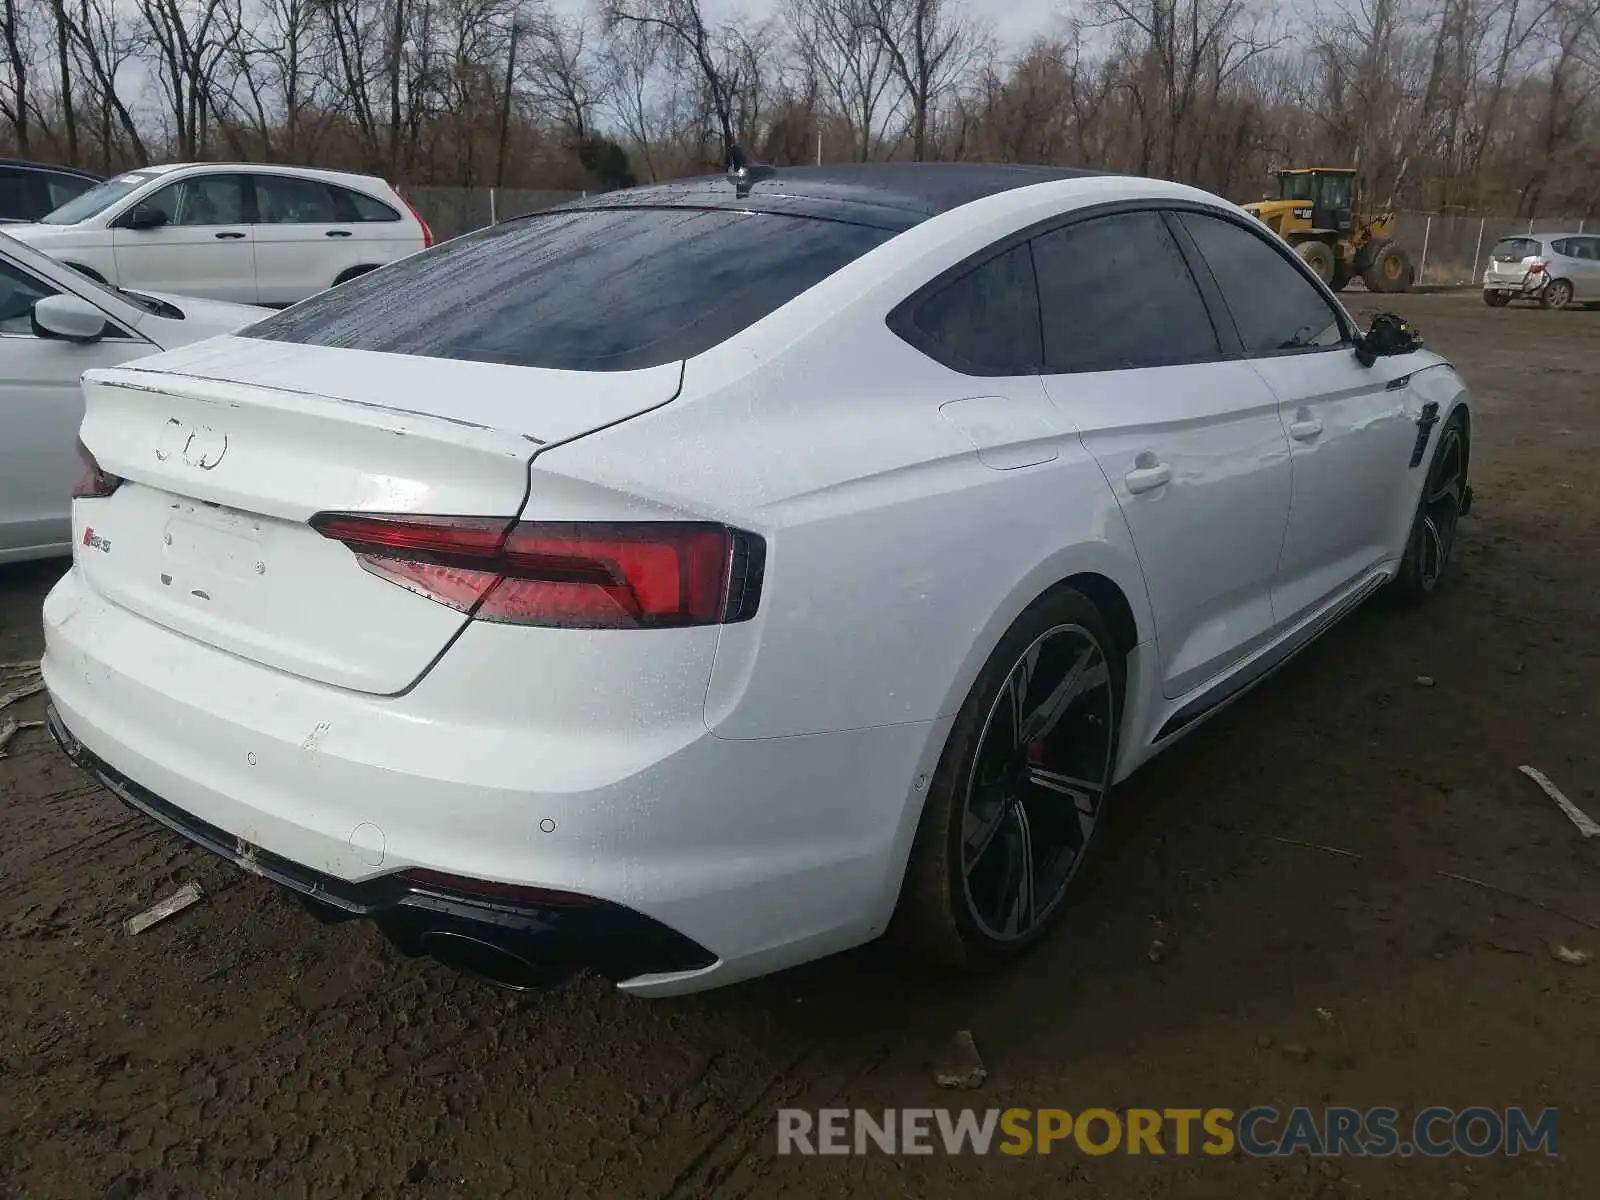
[697,579]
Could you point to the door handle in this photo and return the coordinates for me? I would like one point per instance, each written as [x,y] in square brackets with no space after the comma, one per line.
[337,233]
[228,235]
[1148,478]
[1306,431]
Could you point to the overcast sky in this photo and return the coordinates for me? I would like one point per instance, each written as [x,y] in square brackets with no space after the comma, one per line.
[1014,21]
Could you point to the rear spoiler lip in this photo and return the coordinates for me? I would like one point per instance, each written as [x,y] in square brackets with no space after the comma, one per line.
[134,378]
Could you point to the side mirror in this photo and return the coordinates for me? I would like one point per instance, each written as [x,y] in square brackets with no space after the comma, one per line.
[144,216]
[1388,335]
[68,318]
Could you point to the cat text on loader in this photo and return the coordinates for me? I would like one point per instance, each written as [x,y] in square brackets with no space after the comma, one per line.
[1318,213]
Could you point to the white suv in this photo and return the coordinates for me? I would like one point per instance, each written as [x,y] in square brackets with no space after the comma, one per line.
[231,231]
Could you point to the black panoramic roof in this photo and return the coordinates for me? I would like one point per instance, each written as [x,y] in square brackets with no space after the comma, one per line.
[885,195]
[39,166]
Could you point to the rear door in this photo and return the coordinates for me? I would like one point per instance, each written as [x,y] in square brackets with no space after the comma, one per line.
[1351,428]
[1583,267]
[204,249]
[382,233]
[304,239]
[1188,438]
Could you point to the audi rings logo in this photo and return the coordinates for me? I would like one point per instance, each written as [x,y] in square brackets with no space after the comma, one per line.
[199,446]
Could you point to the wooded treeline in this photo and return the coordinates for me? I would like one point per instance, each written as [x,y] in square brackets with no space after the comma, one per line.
[1475,105]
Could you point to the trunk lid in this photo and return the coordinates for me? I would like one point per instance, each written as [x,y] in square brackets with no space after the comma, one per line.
[229,447]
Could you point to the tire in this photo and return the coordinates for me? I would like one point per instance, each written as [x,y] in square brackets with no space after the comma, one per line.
[1319,256]
[1445,495]
[1389,270]
[353,273]
[1497,299]
[964,881]
[1555,294]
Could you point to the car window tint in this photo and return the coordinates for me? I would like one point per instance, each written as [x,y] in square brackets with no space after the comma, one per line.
[66,187]
[585,289]
[986,322]
[285,200]
[1115,293]
[1564,246]
[205,200]
[19,292]
[23,194]
[98,198]
[1514,250]
[358,206]
[1275,307]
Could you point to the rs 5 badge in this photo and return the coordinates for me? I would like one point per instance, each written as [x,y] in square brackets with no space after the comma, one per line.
[94,541]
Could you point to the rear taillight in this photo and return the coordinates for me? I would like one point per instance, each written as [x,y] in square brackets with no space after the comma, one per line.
[96,483]
[574,575]
[427,233]
[1535,266]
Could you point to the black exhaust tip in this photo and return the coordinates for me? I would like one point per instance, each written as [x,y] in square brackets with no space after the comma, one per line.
[487,962]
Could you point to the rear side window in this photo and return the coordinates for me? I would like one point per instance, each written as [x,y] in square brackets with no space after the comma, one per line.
[1115,293]
[985,322]
[291,200]
[358,206]
[581,289]
[1275,307]
[1514,250]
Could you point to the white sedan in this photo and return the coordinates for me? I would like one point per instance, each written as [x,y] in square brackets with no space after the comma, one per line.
[248,233]
[689,582]
[54,326]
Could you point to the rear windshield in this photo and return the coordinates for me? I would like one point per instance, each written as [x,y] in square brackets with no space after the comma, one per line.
[1515,249]
[582,290]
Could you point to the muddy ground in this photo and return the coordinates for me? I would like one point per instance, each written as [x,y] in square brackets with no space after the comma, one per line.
[241,1049]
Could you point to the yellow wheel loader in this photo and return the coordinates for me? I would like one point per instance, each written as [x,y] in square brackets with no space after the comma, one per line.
[1316,212]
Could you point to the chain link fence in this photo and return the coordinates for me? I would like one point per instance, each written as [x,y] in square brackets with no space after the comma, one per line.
[1450,249]
[452,211]
[1447,249]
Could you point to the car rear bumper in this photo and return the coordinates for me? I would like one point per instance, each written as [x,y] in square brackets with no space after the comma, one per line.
[1516,286]
[536,942]
[729,858]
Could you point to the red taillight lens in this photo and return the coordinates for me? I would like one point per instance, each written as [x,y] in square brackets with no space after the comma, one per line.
[580,575]
[427,233]
[1536,266]
[95,484]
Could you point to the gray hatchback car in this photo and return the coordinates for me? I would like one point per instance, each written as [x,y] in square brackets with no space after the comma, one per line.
[1556,269]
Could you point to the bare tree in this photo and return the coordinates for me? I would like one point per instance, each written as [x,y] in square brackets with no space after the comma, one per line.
[931,44]
[680,27]
[563,73]
[15,98]
[838,43]
[189,40]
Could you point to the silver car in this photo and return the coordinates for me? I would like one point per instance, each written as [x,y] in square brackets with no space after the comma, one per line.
[1556,269]
[55,324]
